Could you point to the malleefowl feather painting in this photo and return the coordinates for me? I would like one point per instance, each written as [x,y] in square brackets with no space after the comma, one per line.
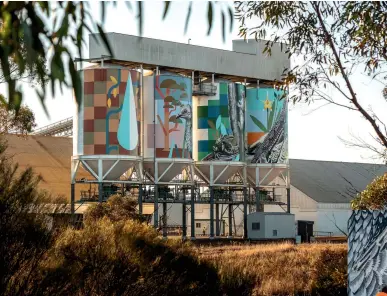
[367,252]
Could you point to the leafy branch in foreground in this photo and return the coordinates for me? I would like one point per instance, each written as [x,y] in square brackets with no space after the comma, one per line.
[34,32]
[329,41]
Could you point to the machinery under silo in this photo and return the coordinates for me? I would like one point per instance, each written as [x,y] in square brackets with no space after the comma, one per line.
[201,132]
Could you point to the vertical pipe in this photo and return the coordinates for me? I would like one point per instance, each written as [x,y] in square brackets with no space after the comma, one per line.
[184,218]
[192,212]
[230,220]
[288,191]
[211,212]
[288,199]
[217,230]
[165,218]
[244,212]
[140,199]
[142,151]
[156,206]
[100,192]
[72,203]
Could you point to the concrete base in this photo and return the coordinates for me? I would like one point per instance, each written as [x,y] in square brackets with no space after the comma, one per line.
[192,238]
[229,237]
[211,237]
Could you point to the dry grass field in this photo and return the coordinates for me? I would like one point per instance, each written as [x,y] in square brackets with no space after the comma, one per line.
[280,269]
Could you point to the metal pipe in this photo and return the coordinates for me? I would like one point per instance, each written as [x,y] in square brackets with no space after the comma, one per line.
[100,192]
[156,207]
[165,218]
[211,212]
[244,212]
[140,199]
[184,218]
[72,203]
[142,111]
[217,230]
[230,220]
[192,212]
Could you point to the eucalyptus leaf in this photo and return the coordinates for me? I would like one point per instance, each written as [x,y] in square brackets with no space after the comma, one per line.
[258,123]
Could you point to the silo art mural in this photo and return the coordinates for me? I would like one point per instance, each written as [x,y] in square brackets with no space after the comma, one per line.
[266,126]
[173,112]
[111,116]
[220,124]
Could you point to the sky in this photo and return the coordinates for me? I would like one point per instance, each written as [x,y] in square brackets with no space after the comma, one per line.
[313,134]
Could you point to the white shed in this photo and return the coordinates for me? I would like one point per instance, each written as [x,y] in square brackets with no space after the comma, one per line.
[261,225]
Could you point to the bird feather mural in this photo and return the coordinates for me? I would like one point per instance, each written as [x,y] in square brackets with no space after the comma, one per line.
[367,253]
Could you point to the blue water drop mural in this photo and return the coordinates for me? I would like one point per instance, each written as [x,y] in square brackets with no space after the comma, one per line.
[127,133]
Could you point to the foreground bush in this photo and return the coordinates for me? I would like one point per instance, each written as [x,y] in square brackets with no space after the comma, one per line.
[374,197]
[281,269]
[123,258]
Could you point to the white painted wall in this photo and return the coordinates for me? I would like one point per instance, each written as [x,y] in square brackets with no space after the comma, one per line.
[283,224]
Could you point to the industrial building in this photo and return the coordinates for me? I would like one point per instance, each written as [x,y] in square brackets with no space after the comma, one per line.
[320,190]
[198,135]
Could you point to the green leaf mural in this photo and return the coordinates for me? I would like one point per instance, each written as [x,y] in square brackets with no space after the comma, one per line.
[258,123]
[271,116]
[223,130]
[218,121]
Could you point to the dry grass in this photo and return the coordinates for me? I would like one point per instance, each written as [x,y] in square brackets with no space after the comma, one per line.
[280,269]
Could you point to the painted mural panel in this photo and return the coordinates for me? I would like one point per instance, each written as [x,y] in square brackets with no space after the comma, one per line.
[220,124]
[173,112]
[367,252]
[266,126]
[111,110]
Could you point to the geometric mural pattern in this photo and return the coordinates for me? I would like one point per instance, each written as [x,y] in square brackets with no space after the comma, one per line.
[220,123]
[111,99]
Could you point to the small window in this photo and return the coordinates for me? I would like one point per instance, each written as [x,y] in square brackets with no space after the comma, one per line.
[256,226]
[198,225]
[275,232]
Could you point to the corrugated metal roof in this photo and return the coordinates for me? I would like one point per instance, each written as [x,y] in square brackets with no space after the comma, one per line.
[330,181]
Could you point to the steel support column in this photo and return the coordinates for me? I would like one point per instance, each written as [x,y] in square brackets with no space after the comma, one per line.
[100,192]
[140,199]
[288,199]
[184,218]
[165,222]
[217,228]
[72,203]
[244,212]
[156,207]
[211,212]
[230,220]
[192,212]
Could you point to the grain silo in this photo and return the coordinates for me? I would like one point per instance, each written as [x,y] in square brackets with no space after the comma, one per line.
[168,136]
[219,149]
[266,138]
[107,125]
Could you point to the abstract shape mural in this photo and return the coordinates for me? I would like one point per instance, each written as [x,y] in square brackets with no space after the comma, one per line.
[266,126]
[173,112]
[220,124]
[367,252]
[111,111]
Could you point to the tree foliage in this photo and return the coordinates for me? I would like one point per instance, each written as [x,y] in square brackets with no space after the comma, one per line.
[374,197]
[331,40]
[21,122]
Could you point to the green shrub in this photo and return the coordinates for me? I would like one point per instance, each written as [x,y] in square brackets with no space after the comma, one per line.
[374,197]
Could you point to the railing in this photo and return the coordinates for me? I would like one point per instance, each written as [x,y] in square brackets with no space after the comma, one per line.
[204,89]
[322,233]
[56,128]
